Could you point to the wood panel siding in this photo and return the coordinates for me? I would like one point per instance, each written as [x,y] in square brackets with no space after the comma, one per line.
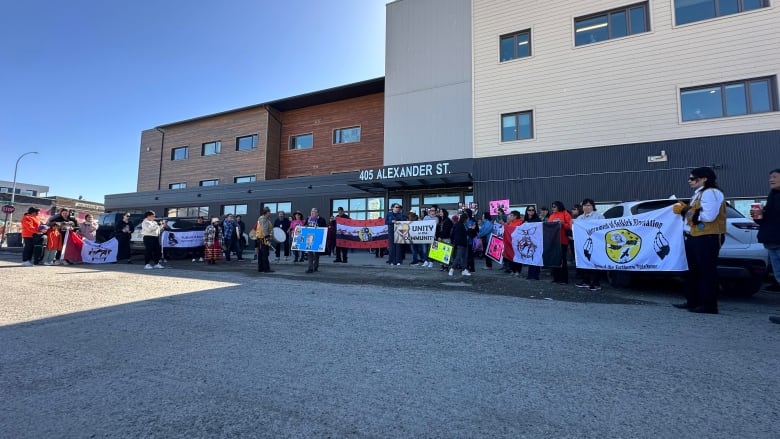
[324,157]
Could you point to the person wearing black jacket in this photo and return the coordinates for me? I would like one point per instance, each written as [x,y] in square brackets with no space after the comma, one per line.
[122,232]
[532,217]
[444,230]
[283,223]
[341,252]
[769,220]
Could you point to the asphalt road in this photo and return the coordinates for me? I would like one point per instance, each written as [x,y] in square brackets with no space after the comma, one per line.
[364,350]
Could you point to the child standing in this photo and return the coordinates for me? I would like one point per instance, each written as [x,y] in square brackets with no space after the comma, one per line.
[53,244]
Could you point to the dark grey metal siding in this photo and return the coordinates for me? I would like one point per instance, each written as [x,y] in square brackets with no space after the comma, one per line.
[621,172]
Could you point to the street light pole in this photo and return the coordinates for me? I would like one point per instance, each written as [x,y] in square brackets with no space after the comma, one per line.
[9,217]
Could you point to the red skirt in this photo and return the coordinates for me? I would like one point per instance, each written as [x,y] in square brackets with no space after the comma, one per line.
[213,252]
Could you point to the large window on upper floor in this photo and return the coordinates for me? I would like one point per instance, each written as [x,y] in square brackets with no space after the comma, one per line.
[517,126]
[302,141]
[611,24]
[246,142]
[234,209]
[737,98]
[346,135]
[180,153]
[212,148]
[280,206]
[689,11]
[193,212]
[516,45]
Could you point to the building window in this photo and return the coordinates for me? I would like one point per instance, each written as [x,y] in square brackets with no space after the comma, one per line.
[206,183]
[187,212]
[738,98]
[517,126]
[177,186]
[360,208]
[180,153]
[517,45]
[246,142]
[346,135]
[612,24]
[303,141]
[245,179]
[282,206]
[689,11]
[234,209]
[211,148]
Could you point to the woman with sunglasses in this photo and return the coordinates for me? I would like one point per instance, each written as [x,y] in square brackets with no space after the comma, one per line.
[532,217]
[705,227]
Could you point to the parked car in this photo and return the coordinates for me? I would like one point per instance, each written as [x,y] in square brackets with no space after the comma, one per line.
[742,262]
[174,225]
[107,224]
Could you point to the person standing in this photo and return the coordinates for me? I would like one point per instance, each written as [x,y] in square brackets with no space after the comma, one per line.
[460,241]
[428,262]
[768,218]
[484,234]
[282,222]
[530,216]
[53,244]
[123,232]
[705,226]
[197,252]
[395,215]
[212,242]
[88,229]
[240,242]
[560,215]
[150,230]
[341,252]
[229,236]
[264,232]
[514,220]
[296,222]
[590,278]
[30,225]
[315,220]
[68,224]
[544,214]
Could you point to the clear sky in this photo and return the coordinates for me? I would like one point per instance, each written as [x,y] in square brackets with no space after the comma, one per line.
[80,80]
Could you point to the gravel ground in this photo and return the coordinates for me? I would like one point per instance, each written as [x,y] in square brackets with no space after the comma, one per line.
[365,350]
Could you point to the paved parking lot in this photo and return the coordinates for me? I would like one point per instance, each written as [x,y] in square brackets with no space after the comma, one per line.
[365,350]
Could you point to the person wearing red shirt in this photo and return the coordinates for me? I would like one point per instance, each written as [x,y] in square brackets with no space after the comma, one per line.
[559,214]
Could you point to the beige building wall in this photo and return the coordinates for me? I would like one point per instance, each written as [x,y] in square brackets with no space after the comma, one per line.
[617,91]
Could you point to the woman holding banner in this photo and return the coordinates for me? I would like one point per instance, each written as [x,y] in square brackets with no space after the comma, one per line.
[531,216]
[590,278]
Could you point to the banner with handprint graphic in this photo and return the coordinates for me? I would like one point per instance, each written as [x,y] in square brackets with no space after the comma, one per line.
[651,241]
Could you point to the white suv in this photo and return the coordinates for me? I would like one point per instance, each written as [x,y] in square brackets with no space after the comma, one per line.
[742,262]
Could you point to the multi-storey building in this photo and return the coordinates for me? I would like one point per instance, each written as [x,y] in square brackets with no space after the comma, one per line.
[486,100]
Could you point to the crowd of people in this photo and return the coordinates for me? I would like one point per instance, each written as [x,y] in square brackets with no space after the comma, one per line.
[704,219]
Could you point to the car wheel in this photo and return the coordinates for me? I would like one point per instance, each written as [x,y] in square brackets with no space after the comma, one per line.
[620,279]
[741,287]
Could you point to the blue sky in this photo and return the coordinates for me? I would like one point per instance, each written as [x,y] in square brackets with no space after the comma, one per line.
[81,79]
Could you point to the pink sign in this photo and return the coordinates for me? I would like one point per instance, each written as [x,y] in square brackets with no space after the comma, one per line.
[495,204]
[495,249]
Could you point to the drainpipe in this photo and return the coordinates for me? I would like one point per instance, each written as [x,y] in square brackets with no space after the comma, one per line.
[162,148]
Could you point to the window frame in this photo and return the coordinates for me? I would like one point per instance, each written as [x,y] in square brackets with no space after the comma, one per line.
[715,5]
[517,114]
[296,136]
[253,178]
[338,130]
[514,36]
[215,180]
[608,15]
[288,212]
[255,140]
[217,148]
[186,150]
[182,184]
[234,209]
[774,105]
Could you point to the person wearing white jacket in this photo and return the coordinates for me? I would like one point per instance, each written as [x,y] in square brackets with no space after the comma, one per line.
[150,230]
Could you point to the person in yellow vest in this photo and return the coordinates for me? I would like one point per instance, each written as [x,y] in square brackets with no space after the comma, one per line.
[705,228]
